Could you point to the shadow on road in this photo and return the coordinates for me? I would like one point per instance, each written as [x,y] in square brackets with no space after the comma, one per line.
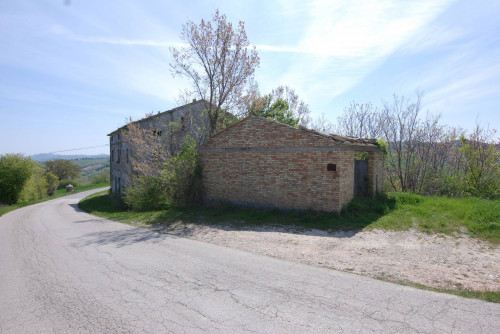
[360,213]
[119,238]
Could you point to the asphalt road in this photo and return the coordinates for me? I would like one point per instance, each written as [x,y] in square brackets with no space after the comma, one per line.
[64,271]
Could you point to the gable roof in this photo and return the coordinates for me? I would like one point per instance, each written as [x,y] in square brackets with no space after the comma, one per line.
[336,139]
[145,119]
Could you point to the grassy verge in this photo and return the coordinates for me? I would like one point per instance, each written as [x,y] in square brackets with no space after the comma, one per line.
[476,217]
[58,193]
[489,296]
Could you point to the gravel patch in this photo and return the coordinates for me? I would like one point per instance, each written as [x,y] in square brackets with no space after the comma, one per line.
[439,261]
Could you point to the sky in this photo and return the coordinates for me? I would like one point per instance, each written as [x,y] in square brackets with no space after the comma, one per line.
[72,71]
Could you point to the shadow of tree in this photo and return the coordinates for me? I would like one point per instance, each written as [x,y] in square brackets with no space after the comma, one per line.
[119,238]
[358,214]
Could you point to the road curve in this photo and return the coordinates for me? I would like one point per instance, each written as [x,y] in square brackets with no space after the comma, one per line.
[64,271]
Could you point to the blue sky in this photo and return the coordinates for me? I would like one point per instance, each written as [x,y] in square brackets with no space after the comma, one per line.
[72,71]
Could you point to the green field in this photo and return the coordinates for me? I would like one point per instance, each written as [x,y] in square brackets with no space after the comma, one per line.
[82,163]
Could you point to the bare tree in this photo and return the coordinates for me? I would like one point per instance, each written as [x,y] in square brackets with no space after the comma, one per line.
[360,120]
[322,124]
[400,125]
[219,62]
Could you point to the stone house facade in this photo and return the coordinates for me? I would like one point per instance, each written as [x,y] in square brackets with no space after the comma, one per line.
[260,162]
[120,150]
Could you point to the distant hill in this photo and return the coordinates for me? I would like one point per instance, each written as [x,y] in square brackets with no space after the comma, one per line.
[50,156]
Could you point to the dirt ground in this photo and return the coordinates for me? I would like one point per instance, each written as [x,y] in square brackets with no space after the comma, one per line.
[432,260]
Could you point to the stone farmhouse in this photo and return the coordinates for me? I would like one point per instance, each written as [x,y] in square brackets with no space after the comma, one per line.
[120,167]
[260,162]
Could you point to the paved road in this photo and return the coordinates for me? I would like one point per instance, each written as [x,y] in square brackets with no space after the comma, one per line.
[64,271]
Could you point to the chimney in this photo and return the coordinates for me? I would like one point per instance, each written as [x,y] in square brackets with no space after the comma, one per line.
[194,100]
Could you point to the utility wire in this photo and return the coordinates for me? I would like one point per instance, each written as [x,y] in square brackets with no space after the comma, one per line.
[76,149]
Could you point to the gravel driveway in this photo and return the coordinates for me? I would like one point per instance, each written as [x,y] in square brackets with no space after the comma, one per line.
[432,260]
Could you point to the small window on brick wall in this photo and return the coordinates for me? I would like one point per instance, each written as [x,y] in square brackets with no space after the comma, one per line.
[331,167]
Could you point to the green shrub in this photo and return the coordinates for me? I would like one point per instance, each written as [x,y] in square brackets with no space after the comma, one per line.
[146,193]
[52,183]
[15,171]
[182,175]
[102,177]
[35,188]
[64,183]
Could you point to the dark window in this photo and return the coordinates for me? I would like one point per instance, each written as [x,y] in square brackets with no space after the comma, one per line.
[112,155]
[332,167]
[127,156]
[157,133]
[118,155]
[118,135]
[183,123]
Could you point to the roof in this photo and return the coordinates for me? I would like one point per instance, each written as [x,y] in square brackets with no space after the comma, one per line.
[160,114]
[346,140]
[339,140]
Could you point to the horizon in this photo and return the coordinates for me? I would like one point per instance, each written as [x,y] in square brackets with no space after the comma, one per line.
[73,71]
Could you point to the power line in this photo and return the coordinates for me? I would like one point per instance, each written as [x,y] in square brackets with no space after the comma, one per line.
[76,149]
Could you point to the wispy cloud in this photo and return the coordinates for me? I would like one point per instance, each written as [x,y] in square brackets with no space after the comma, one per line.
[343,41]
[64,32]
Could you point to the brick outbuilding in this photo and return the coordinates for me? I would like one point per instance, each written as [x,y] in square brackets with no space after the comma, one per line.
[260,162]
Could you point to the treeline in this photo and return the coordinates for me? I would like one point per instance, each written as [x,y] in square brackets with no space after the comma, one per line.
[24,180]
[424,155]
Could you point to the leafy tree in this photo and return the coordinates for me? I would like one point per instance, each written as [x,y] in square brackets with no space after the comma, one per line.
[219,62]
[182,175]
[52,182]
[282,105]
[297,108]
[278,111]
[15,171]
[481,164]
[102,177]
[36,187]
[63,169]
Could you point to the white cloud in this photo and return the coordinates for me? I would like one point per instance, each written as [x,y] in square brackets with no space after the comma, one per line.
[343,41]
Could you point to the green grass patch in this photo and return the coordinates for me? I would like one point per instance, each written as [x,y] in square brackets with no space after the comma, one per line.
[489,296]
[478,218]
[58,193]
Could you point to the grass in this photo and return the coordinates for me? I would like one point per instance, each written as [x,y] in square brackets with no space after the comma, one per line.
[489,296]
[58,193]
[479,218]
[82,163]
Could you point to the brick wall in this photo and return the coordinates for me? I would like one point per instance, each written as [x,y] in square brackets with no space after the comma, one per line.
[265,163]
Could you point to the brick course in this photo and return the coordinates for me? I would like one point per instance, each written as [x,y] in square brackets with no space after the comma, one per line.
[264,163]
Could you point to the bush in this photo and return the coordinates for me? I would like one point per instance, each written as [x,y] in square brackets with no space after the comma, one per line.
[35,188]
[182,175]
[64,183]
[102,177]
[179,183]
[15,171]
[146,193]
[52,183]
